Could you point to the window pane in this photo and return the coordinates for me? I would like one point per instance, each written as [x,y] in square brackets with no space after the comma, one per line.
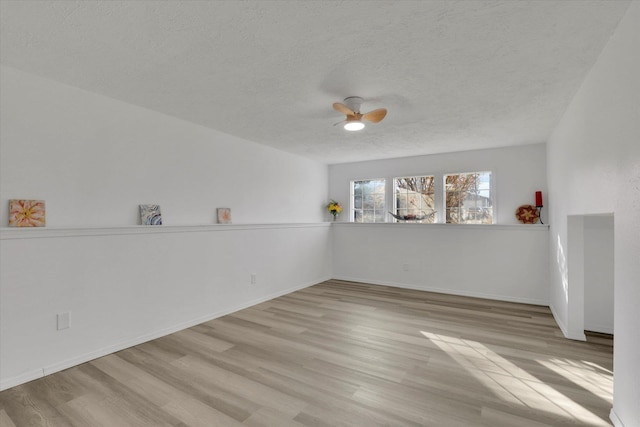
[368,187]
[401,201]
[428,201]
[368,200]
[357,190]
[468,197]
[451,182]
[488,216]
[368,216]
[414,198]
[379,186]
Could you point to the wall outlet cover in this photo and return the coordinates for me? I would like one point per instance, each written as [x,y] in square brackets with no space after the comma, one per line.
[64,320]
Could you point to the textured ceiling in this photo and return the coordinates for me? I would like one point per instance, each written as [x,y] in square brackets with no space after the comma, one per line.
[454,75]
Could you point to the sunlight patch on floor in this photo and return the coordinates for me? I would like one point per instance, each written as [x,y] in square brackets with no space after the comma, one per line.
[599,381]
[515,385]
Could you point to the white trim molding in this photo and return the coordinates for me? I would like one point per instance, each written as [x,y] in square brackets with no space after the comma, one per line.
[615,420]
[9,233]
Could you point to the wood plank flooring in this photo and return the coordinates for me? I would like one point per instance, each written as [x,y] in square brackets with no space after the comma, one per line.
[339,354]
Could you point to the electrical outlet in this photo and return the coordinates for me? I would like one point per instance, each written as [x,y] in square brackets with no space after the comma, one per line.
[64,320]
[405,267]
[254,278]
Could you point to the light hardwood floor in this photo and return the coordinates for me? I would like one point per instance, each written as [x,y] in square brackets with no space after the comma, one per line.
[339,354]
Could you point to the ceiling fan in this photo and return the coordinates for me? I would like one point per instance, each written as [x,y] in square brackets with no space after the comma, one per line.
[354,120]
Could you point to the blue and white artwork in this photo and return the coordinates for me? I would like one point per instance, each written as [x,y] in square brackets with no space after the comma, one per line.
[150,215]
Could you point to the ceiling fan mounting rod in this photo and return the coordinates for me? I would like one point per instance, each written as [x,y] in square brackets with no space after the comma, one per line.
[354,103]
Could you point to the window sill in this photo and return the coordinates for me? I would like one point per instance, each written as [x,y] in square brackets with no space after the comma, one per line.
[537,227]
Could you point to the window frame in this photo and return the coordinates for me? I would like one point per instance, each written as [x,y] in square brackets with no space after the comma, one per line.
[394,197]
[352,200]
[491,197]
[440,197]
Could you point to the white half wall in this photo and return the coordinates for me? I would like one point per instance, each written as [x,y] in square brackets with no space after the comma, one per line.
[517,173]
[124,286]
[594,168]
[490,261]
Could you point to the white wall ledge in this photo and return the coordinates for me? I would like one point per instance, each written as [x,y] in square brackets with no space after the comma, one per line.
[11,233]
[528,227]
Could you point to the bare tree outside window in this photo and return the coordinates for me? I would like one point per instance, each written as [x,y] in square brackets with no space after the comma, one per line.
[468,198]
[415,198]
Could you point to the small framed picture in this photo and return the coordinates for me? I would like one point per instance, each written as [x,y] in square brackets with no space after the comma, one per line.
[26,213]
[224,216]
[150,215]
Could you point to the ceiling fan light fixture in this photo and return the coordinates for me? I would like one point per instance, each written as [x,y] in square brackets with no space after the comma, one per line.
[354,125]
[355,119]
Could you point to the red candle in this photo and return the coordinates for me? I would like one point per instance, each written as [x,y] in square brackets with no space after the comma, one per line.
[538,199]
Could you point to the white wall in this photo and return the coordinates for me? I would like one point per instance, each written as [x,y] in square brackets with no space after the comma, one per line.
[598,273]
[124,286]
[504,262]
[93,160]
[594,167]
[517,173]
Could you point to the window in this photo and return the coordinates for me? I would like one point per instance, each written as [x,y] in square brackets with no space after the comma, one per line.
[468,198]
[368,201]
[414,198]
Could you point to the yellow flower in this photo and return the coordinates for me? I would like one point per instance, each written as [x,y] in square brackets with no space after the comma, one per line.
[334,207]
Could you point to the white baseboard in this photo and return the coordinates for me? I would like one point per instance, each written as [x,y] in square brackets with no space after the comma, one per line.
[485,295]
[614,419]
[21,379]
[572,335]
[83,358]
[559,322]
[603,329]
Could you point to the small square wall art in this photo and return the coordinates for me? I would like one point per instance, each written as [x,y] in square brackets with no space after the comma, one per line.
[224,216]
[26,213]
[150,215]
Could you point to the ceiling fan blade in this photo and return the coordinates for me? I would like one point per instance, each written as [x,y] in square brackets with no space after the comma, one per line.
[343,109]
[350,118]
[376,115]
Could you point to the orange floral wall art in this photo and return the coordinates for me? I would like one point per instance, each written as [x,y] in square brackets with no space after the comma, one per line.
[224,216]
[26,213]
